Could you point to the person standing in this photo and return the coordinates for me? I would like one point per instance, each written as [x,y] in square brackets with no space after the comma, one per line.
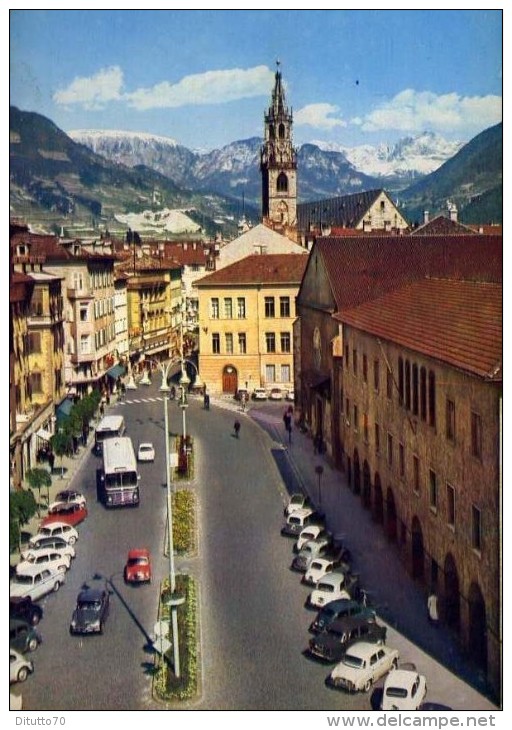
[237,429]
[432,609]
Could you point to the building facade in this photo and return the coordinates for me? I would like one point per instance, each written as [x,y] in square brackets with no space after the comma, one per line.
[246,311]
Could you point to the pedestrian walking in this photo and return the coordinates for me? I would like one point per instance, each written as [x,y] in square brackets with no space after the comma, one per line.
[237,429]
[287,420]
[51,460]
[432,610]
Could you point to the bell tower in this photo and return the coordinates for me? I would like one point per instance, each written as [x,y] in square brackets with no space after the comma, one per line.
[278,163]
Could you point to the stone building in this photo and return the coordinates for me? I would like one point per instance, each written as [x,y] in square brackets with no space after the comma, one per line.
[246,314]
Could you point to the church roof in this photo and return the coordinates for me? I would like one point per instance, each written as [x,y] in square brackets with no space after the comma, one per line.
[345,211]
[441,225]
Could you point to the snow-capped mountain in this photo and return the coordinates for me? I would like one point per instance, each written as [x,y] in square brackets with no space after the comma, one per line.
[409,157]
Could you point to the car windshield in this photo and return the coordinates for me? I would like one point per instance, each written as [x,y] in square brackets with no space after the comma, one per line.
[326,587]
[137,561]
[294,520]
[316,566]
[89,605]
[45,531]
[296,499]
[23,579]
[146,448]
[396,692]
[353,661]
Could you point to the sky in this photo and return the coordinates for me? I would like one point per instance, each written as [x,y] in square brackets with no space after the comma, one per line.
[204,77]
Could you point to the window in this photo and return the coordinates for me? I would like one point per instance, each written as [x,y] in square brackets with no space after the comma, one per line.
[376,375]
[408,385]
[34,343]
[228,308]
[346,356]
[282,183]
[347,411]
[476,435]
[284,306]
[365,368]
[214,308]
[85,345]
[377,438]
[423,394]
[240,304]
[476,528]
[390,449]
[415,389]
[356,419]
[84,311]
[389,384]
[270,307]
[433,489]
[450,505]
[285,342]
[285,374]
[270,339]
[450,420]
[229,343]
[416,474]
[270,373]
[36,383]
[354,361]
[432,398]
[365,427]
[401,459]
[216,343]
[400,380]
[242,343]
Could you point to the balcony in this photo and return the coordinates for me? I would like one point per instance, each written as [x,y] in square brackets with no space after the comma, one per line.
[82,293]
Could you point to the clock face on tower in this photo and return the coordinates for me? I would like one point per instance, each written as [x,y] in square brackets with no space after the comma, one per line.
[317,347]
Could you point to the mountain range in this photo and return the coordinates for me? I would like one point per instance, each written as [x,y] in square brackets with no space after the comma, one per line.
[89,177]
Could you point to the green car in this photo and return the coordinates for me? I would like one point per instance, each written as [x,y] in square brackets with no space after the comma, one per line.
[22,636]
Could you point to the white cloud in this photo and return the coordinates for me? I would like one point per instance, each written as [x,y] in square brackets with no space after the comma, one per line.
[93,92]
[415,111]
[318,115]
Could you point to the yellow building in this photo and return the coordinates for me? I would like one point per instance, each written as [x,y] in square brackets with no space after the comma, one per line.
[246,315]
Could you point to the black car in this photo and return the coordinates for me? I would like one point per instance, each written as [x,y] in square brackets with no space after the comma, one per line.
[91,611]
[338,609]
[22,607]
[344,632]
[22,636]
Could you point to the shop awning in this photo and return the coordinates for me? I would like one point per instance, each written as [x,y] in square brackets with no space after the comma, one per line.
[64,409]
[44,434]
[116,371]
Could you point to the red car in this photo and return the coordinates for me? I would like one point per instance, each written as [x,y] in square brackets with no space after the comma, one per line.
[138,566]
[71,514]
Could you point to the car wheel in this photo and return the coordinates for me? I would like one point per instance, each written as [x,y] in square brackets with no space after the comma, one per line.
[22,674]
[32,644]
[56,586]
[367,685]
[72,540]
[34,619]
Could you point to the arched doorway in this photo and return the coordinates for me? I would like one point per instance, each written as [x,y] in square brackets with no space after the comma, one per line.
[378,502]
[229,380]
[477,635]
[357,473]
[366,495]
[451,603]
[391,521]
[417,551]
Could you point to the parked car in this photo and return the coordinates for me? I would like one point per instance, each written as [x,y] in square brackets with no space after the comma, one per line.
[321,567]
[312,532]
[138,566]
[298,520]
[22,607]
[242,393]
[54,542]
[311,550]
[298,500]
[68,496]
[91,611]
[363,664]
[404,689]
[35,582]
[339,609]
[22,636]
[70,513]
[48,557]
[259,394]
[276,394]
[290,395]
[19,667]
[146,452]
[55,529]
[331,587]
[343,633]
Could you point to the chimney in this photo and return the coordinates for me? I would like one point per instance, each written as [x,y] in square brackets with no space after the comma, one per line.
[425,216]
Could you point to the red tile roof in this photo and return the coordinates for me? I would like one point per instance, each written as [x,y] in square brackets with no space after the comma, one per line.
[360,269]
[442,226]
[279,268]
[51,249]
[457,322]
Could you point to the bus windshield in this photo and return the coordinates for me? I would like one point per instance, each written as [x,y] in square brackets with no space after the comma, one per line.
[121,479]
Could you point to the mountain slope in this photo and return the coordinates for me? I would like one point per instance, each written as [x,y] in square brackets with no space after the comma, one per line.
[475,170]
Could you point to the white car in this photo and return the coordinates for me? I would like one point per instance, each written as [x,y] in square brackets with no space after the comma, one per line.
[55,529]
[318,569]
[146,452]
[404,690]
[19,667]
[259,394]
[328,589]
[312,532]
[363,664]
[297,501]
[276,394]
[68,496]
[290,395]
[44,543]
[36,581]
[46,558]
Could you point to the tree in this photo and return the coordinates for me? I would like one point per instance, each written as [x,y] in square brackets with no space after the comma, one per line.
[22,506]
[62,444]
[38,478]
